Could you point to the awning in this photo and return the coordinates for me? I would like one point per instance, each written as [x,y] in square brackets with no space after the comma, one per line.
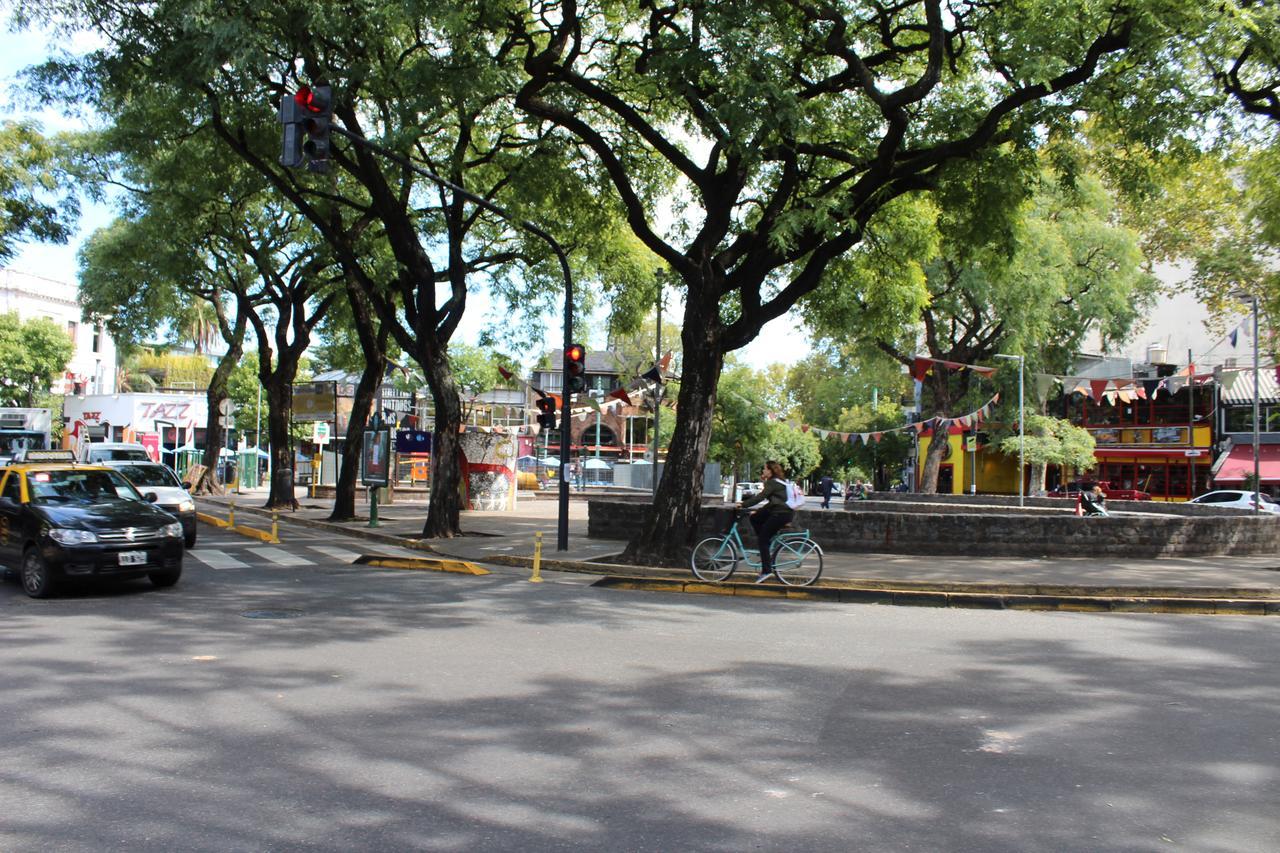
[1241,392]
[1236,464]
[1173,452]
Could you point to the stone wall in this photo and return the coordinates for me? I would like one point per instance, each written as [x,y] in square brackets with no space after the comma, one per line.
[989,531]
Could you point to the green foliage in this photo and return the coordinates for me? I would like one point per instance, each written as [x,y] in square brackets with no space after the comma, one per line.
[33,354]
[795,450]
[176,370]
[1050,441]
[37,200]
[739,429]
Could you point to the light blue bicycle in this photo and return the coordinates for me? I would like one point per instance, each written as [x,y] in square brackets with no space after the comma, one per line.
[797,559]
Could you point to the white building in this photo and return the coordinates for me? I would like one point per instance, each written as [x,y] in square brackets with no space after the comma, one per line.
[93,365]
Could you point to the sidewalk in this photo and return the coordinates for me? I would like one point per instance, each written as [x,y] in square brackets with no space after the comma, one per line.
[507,538]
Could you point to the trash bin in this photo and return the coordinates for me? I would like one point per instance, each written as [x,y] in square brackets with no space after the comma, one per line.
[282,481]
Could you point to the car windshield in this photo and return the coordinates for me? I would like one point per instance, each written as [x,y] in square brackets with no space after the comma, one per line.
[119,454]
[151,474]
[69,485]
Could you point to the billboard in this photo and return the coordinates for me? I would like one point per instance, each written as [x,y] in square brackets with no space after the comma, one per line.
[324,401]
[375,458]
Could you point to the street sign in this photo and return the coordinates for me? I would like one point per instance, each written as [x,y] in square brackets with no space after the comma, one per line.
[1191,452]
[320,432]
[226,406]
[226,422]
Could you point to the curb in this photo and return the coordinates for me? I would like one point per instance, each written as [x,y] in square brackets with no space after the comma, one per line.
[967,600]
[989,596]
[461,567]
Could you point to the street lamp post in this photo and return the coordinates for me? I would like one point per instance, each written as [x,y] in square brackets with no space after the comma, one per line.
[1257,467]
[1021,428]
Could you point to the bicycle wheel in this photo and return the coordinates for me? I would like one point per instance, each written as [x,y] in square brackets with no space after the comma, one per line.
[797,562]
[714,559]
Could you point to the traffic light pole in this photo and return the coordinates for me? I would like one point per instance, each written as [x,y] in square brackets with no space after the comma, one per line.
[562,528]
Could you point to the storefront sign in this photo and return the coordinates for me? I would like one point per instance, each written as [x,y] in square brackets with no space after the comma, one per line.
[1169,435]
[375,457]
[1106,436]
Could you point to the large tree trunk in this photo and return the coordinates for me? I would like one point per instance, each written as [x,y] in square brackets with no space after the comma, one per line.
[213,432]
[671,524]
[933,462]
[374,346]
[278,390]
[444,513]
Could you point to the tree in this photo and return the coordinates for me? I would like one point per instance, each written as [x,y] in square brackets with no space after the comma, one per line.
[795,450]
[877,457]
[788,126]
[33,353]
[739,428]
[430,85]
[36,198]
[1049,441]
[1059,268]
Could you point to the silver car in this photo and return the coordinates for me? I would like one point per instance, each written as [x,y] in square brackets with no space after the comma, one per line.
[152,478]
[1236,499]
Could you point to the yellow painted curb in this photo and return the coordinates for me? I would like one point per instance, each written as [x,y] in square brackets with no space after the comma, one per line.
[254,533]
[211,519]
[461,567]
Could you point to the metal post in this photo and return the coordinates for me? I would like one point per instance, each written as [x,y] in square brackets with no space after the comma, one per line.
[373,506]
[657,393]
[1257,473]
[536,577]
[1022,465]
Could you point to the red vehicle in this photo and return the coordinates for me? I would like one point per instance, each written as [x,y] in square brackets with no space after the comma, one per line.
[1070,490]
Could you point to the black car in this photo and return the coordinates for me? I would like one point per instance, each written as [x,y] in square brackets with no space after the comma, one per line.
[62,521]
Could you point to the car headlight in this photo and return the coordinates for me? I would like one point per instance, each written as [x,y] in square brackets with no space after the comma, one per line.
[68,536]
[173,531]
[187,506]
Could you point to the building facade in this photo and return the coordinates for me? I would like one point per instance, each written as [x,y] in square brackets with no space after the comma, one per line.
[92,369]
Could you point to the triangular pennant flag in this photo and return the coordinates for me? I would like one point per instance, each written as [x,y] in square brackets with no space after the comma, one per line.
[506,374]
[1174,384]
[863,436]
[1234,336]
[1151,386]
[621,394]
[877,436]
[1229,379]
[1097,387]
[1043,383]
[920,368]
[853,438]
[665,361]
[985,371]
[652,375]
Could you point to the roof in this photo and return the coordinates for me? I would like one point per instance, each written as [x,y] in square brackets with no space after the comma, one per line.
[1242,390]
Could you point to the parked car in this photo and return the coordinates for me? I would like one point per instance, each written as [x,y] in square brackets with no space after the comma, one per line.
[1070,490]
[152,478]
[62,521]
[1236,499]
[743,490]
[109,451]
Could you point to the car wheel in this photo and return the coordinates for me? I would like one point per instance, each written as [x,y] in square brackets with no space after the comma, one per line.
[165,578]
[36,580]
[190,541]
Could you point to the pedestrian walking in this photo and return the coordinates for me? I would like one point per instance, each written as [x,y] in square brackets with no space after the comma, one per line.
[824,487]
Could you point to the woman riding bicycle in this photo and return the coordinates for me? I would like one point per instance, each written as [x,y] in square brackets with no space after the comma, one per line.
[772,517]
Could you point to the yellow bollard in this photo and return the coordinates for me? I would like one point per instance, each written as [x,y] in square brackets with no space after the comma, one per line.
[536,577]
[275,526]
[231,515]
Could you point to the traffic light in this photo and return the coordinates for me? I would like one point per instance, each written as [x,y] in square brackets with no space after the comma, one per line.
[575,365]
[317,108]
[292,118]
[307,117]
[546,412]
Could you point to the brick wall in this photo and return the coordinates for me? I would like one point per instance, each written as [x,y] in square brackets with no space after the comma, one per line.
[919,527]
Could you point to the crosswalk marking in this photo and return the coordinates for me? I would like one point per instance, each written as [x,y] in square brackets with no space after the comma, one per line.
[336,553]
[217,559]
[279,557]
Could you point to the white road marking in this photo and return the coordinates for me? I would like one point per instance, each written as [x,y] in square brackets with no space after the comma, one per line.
[217,559]
[336,553]
[280,557]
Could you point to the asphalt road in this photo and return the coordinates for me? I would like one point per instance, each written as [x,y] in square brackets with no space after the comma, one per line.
[396,710]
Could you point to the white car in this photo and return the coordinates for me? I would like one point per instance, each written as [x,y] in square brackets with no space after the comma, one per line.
[1236,499]
[152,478]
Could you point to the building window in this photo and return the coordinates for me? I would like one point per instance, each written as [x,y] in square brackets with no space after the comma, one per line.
[97,338]
[72,328]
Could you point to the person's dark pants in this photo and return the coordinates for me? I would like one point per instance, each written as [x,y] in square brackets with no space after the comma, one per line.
[826,500]
[766,523]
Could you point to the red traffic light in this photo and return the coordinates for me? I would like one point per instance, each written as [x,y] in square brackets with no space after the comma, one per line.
[575,352]
[310,100]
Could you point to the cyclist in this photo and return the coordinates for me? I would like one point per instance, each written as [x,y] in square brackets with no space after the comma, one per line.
[773,516]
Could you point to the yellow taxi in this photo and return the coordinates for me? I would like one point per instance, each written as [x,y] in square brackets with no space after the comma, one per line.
[62,521]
